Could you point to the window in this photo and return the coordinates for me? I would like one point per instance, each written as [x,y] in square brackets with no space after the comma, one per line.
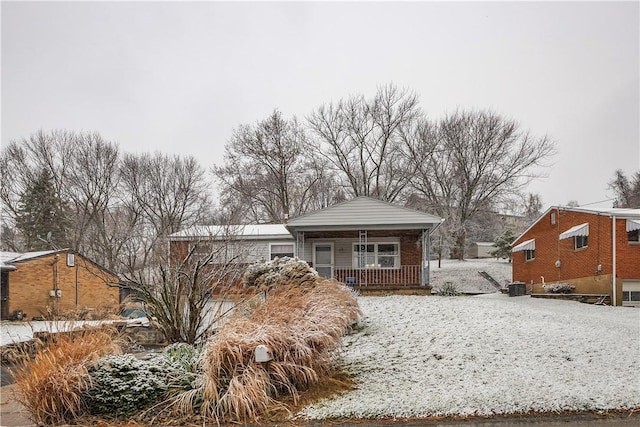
[201,250]
[581,241]
[633,236]
[376,255]
[529,254]
[280,250]
[218,252]
[630,296]
[553,218]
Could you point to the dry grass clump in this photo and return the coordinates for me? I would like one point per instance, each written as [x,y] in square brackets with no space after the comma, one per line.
[302,326]
[50,385]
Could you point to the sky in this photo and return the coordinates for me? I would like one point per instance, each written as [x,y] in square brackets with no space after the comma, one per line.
[178,77]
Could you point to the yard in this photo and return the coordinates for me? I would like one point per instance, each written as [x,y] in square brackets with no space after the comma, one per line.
[422,356]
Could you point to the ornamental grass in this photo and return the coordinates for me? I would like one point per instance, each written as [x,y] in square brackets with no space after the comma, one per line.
[51,384]
[302,326]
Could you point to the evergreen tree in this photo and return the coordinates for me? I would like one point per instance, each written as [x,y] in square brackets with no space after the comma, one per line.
[40,212]
[503,244]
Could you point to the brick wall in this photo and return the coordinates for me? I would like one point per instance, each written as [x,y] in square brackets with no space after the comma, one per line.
[578,266]
[81,286]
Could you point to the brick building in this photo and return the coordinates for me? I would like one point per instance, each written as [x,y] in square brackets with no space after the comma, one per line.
[597,251]
[364,242]
[34,283]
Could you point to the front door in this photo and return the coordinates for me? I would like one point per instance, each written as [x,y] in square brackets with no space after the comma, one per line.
[323,259]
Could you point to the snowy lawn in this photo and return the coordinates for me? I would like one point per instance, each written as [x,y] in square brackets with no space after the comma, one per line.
[421,356]
[464,274]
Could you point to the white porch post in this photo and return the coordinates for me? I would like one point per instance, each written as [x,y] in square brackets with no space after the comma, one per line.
[426,259]
[363,241]
[300,245]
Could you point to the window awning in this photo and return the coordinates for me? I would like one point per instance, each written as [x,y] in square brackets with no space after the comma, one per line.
[527,245]
[578,230]
[633,224]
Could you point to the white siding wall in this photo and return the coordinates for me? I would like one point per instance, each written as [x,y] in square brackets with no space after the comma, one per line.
[248,251]
[342,248]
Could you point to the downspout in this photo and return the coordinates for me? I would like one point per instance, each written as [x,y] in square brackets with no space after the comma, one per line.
[56,299]
[613,246]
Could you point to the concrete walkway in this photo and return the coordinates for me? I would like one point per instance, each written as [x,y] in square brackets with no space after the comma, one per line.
[12,414]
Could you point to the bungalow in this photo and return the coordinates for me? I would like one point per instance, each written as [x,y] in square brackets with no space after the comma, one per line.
[363,242]
[34,283]
[595,250]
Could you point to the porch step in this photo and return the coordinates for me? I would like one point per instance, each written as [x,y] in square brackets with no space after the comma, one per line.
[491,280]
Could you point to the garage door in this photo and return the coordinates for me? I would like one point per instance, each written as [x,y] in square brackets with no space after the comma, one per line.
[631,293]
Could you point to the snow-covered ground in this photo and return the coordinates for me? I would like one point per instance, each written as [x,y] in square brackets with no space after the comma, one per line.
[464,274]
[15,332]
[420,356]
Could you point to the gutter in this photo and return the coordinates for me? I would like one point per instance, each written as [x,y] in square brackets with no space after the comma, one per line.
[436,227]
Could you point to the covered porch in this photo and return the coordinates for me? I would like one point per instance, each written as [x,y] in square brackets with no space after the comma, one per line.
[367,244]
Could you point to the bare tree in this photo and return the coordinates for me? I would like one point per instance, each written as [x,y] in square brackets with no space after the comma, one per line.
[57,154]
[532,208]
[470,162]
[268,171]
[161,194]
[626,190]
[93,191]
[363,141]
[183,292]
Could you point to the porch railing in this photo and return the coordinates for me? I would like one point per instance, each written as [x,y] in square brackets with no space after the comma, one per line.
[406,275]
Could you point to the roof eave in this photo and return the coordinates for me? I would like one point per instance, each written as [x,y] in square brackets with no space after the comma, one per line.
[230,238]
[356,227]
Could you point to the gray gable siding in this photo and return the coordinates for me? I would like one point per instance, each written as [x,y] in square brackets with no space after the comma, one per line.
[363,213]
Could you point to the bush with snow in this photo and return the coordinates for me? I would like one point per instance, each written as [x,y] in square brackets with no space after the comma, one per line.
[279,271]
[123,385]
[449,289]
[559,288]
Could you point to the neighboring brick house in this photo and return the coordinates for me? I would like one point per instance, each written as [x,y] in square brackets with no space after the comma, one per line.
[596,250]
[364,242]
[37,282]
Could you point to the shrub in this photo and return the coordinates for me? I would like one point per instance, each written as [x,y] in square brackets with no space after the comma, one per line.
[449,289]
[559,288]
[280,271]
[51,384]
[301,325]
[184,356]
[124,385]
[184,360]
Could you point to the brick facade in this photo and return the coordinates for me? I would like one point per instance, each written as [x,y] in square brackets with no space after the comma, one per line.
[410,254]
[82,286]
[590,269]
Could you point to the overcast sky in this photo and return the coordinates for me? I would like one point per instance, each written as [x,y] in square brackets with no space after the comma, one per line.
[179,77]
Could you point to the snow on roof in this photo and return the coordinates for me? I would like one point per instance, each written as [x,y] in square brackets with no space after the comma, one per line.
[218,232]
[617,212]
[484,243]
[12,257]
